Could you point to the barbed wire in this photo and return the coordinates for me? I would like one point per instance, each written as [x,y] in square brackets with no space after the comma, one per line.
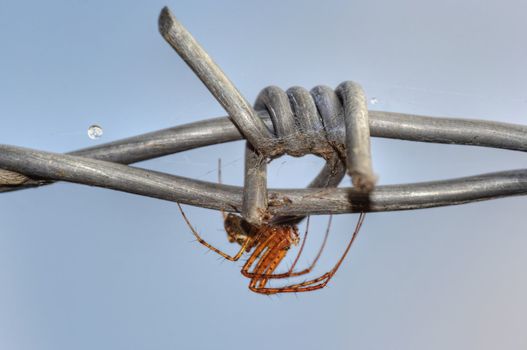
[106,165]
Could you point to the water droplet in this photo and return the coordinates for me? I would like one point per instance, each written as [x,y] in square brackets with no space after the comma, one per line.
[94,132]
[374,100]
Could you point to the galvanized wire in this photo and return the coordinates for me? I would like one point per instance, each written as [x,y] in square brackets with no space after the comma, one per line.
[98,166]
[101,168]
[174,188]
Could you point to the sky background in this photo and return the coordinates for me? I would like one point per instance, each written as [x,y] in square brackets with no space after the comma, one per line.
[88,268]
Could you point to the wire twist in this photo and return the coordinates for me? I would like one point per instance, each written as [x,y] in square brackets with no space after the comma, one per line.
[98,166]
[311,123]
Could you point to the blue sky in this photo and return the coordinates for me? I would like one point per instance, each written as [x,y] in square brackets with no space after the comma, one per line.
[85,268]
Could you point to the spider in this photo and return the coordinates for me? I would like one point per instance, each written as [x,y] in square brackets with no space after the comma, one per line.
[269,244]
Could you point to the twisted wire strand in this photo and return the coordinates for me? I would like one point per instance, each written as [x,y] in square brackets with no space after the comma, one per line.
[87,166]
[23,168]
[93,172]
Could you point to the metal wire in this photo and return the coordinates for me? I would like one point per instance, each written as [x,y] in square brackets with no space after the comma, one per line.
[97,166]
[102,170]
[282,202]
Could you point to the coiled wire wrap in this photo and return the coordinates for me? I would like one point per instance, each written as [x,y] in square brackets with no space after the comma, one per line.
[312,123]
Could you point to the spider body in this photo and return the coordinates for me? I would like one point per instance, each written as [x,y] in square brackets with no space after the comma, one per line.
[269,242]
[238,230]
[268,245]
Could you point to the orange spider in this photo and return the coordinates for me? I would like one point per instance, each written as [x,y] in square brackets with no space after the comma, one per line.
[270,244]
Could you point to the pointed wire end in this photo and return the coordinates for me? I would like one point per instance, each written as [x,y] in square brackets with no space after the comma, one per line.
[166,21]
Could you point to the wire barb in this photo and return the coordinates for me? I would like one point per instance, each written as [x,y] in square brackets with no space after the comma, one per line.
[215,80]
[98,166]
[294,114]
[304,123]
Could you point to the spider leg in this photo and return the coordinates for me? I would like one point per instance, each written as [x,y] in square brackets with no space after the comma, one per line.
[219,181]
[301,247]
[316,283]
[214,249]
[260,248]
[307,286]
[310,267]
[268,263]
